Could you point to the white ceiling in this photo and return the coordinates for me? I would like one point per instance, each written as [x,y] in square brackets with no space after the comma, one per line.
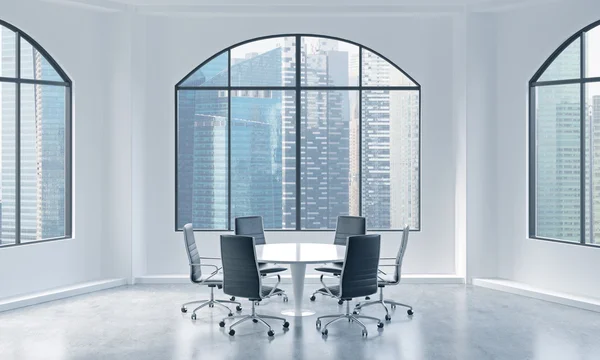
[304,7]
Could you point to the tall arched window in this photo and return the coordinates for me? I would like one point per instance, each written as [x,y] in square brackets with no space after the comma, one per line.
[298,129]
[564,144]
[35,142]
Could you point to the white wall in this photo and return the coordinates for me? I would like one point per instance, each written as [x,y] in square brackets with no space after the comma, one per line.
[422,46]
[77,39]
[525,39]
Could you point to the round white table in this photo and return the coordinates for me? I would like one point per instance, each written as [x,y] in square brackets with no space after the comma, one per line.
[297,255]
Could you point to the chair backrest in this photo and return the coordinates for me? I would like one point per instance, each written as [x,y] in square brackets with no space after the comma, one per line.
[240,269]
[251,226]
[359,274]
[192,252]
[400,255]
[349,226]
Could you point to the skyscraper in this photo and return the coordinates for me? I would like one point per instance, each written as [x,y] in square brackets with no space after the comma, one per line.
[42,148]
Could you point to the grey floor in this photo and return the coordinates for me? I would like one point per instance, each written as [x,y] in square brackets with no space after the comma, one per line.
[450,322]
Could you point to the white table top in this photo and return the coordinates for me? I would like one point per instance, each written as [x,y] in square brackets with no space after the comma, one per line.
[307,253]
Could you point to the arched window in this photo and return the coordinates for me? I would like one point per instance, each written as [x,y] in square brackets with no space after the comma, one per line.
[35,142]
[564,175]
[298,129]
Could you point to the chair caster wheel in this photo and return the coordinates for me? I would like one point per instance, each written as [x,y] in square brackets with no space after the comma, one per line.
[254,321]
[285,299]
[238,308]
[231,332]
[355,312]
[211,305]
[324,332]
[409,312]
[232,298]
[313,298]
[222,323]
[270,333]
[388,318]
[183,310]
[393,306]
[230,314]
[340,302]
[193,316]
[365,333]
[380,325]
[286,325]
[367,298]
[318,324]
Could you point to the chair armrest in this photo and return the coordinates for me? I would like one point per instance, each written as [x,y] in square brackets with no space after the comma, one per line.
[209,265]
[387,258]
[210,258]
[389,265]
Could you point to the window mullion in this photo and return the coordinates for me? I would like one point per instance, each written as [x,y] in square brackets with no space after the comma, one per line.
[582,142]
[360,164]
[18,140]
[229,140]
[298,133]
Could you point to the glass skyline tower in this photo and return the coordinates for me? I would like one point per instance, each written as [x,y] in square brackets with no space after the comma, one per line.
[258,90]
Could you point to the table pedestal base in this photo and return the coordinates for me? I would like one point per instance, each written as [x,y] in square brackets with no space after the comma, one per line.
[292,312]
[298,272]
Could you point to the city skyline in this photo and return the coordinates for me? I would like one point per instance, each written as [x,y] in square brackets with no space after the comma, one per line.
[42,152]
[330,133]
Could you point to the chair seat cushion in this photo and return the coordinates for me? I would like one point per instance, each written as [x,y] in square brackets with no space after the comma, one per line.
[266,290]
[386,279]
[206,279]
[331,269]
[265,268]
[335,290]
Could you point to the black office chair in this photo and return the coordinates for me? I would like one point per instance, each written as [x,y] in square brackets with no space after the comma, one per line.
[242,278]
[253,226]
[386,279]
[358,279]
[212,280]
[346,226]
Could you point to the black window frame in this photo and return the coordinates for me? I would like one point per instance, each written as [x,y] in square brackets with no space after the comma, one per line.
[68,85]
[298,88]
[535,83]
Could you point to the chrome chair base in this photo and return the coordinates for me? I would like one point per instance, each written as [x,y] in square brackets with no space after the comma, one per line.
[354,317]
[255,318]
[211,303]
[382,302]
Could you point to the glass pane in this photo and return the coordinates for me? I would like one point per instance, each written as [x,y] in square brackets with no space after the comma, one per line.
[213,73]
[567,64]
[328,62]
[592,163]
[7,163]
[263,156]
[390,158]
[42,162]
[34,65]
[329,165]
[202,159]
[592,52]
[377,71]
[8,49]
[558,162]
[268,62]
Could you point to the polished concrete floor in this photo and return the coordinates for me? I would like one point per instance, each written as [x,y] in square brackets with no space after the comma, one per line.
[450,322]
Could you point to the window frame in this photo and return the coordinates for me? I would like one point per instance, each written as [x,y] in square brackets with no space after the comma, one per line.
[68,86]
[298,88]
[535,83]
